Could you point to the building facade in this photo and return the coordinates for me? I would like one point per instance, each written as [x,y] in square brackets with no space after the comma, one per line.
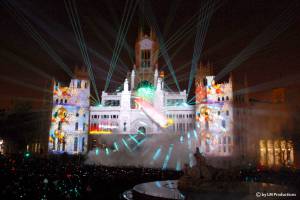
[264,123]
[227,124]
[214,116]
[144,105]
[70,115]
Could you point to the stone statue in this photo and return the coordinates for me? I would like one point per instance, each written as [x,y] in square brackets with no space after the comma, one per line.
[202,177]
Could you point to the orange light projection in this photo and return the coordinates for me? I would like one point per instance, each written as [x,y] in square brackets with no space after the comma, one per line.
[276,153]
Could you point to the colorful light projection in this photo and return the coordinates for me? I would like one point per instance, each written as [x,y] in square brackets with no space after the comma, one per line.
[61,95]
[104,127]
[67,122]
[100,132]
[62,92]
[155,115]
[145,91]
[213,90]
[212,117]
[201,93]
[76,94]
[59,117]
[144,98]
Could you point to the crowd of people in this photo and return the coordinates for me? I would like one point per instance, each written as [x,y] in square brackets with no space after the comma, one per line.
[67,177]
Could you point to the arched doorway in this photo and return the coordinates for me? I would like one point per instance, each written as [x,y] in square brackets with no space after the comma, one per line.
[142,130]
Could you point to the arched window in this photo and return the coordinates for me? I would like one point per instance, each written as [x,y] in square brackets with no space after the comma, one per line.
[224,140]
[76,126]
[146,58]
[66,101]
[61,101]
[75,143]
[83,126]
[58,145]
[227,98]
[124,127]
[229,140]
[63,144]
[79,84]
[142,130]
[82,144]
[205,82]
[56,101]
[59,125]
[227,112]
[223,99]
[223,123]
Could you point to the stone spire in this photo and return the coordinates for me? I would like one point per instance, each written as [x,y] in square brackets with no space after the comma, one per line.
[132,80]
[159,84]
[126,85]
[155,75]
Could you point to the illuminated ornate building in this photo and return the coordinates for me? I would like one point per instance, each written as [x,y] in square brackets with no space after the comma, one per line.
[214,116]
[70,115]
[144,105]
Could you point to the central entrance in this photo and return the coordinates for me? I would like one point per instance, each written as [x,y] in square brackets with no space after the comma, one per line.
[142,130]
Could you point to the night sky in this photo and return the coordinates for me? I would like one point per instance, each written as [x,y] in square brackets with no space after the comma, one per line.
[231,29]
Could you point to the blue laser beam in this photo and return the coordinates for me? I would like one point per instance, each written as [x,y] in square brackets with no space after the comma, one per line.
[126,145]
[134,139]
[178,165]
[107,151]
[195,135]
[181,139]
[168,156]
[157,154]
[97,151]
[116,146]
[191,159]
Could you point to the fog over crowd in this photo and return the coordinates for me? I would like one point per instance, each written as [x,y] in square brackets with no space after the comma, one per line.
[169,150]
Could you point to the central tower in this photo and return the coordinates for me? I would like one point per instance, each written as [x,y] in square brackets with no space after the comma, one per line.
[146,56]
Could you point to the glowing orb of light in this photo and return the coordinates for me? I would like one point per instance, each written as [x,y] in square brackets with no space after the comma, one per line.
[61,113]
[145,90]
[27,154]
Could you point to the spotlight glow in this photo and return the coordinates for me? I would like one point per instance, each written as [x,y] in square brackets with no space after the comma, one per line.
[100,132]
[155,115]
[145,91]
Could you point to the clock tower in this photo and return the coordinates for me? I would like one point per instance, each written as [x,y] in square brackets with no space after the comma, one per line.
[146,56]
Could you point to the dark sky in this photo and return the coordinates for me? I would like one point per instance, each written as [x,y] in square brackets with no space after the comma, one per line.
[231,29]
